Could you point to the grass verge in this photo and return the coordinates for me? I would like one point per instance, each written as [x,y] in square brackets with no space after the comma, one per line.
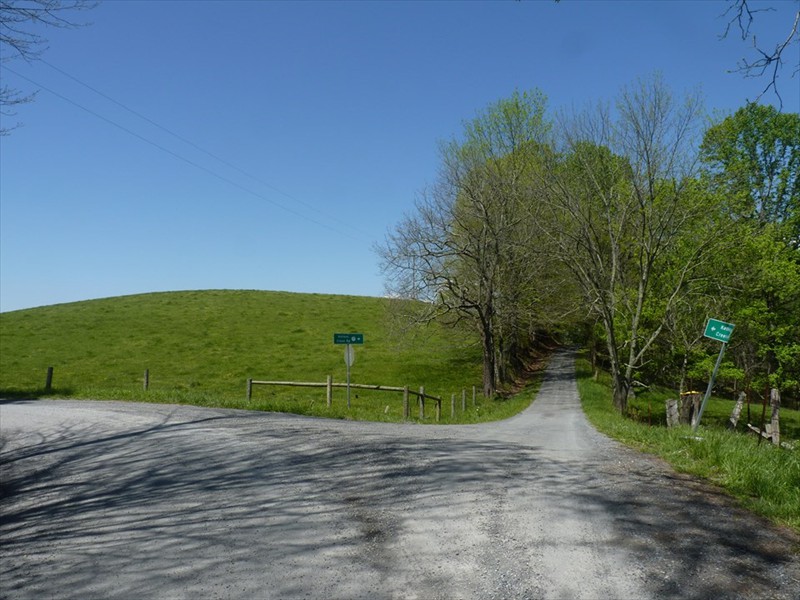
[364,405]
[766,479]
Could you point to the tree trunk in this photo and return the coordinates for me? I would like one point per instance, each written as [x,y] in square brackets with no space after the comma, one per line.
[501,364]
[775,402]
[620,384]
[488,361]
[684,370]
[621,388]
[488,374]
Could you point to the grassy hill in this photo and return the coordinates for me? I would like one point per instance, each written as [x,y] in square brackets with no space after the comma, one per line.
[200,347]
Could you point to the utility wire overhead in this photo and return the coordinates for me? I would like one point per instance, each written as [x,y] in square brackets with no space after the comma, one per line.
[198,147]
[288,209]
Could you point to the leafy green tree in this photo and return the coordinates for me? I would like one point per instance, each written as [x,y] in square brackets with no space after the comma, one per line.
[681,352]
[753,161]
[466,251]
[628,217]
[753,158]
[766,310]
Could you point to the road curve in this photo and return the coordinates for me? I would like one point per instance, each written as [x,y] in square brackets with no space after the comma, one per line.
[118,500]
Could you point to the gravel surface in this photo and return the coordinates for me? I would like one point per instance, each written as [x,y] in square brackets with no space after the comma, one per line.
[117,500]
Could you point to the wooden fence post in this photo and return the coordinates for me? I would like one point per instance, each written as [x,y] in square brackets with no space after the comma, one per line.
[146,379]
[473,395]
[463,400]
[405,402]
[249,388]
[48,382]
[452,405]
[329,390]
[763,426]
[438,409]
[672,413]
[421,403]
[690,406]
[737,411]
[775,402]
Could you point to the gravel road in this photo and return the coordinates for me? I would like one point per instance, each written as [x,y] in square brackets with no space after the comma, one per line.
[117,500]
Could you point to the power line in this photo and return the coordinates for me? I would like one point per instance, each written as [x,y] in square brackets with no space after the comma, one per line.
[183,158]
[195,146]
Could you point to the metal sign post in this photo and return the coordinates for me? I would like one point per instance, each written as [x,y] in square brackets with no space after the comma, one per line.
[720,331]
[349,359]
[348,339]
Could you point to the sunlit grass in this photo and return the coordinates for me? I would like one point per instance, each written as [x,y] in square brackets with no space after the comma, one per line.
[765,478]
[201,347]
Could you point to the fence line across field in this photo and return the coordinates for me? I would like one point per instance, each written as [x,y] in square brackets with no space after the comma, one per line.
[329,385]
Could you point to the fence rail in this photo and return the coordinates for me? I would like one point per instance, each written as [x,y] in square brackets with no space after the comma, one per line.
[329,385]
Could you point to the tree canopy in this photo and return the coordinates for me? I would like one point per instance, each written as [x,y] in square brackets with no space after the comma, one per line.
[627,226]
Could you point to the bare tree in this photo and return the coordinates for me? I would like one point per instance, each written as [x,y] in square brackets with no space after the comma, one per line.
[769,58]
[19,38]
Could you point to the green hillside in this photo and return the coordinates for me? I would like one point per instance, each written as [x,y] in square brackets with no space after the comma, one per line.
[200,347]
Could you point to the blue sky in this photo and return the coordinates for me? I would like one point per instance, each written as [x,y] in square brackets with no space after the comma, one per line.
[326,117]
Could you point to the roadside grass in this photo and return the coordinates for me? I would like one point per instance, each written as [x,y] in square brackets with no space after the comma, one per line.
[200,347]
[364,405]
[766,479]
[649,406]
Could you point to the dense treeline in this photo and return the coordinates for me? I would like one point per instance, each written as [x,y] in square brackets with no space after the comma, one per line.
[626,227]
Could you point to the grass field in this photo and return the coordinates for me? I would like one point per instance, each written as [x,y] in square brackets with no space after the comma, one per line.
[200,348]
[765,478]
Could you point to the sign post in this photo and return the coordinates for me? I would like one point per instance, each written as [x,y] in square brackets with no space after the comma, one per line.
[348,339]
[349,359]
[720,331]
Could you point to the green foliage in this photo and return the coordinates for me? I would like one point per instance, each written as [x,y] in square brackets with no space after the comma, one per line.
[201,347]
[764,478]
[506,128]
[752,160]
[754,156]
[752,278]
[471,250]
[607,221]
[626,218]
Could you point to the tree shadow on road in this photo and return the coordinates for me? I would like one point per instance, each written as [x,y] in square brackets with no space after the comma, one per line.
[233,505]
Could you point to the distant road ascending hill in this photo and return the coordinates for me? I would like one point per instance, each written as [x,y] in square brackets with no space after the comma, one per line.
[117,500]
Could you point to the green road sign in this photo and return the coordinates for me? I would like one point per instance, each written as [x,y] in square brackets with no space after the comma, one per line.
[719,330]
[348,338]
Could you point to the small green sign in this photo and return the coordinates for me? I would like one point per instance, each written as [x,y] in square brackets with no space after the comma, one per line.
[348,338]
[719,330]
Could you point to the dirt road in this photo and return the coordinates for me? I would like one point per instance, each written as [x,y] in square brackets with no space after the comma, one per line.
[117,500]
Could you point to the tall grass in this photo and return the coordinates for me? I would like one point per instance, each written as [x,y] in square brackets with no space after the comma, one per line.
[765,478]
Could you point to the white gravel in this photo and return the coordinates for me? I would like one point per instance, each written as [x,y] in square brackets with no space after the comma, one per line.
[117,500]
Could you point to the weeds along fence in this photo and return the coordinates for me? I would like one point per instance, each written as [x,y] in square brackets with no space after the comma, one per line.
[405,390]
[685,412]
